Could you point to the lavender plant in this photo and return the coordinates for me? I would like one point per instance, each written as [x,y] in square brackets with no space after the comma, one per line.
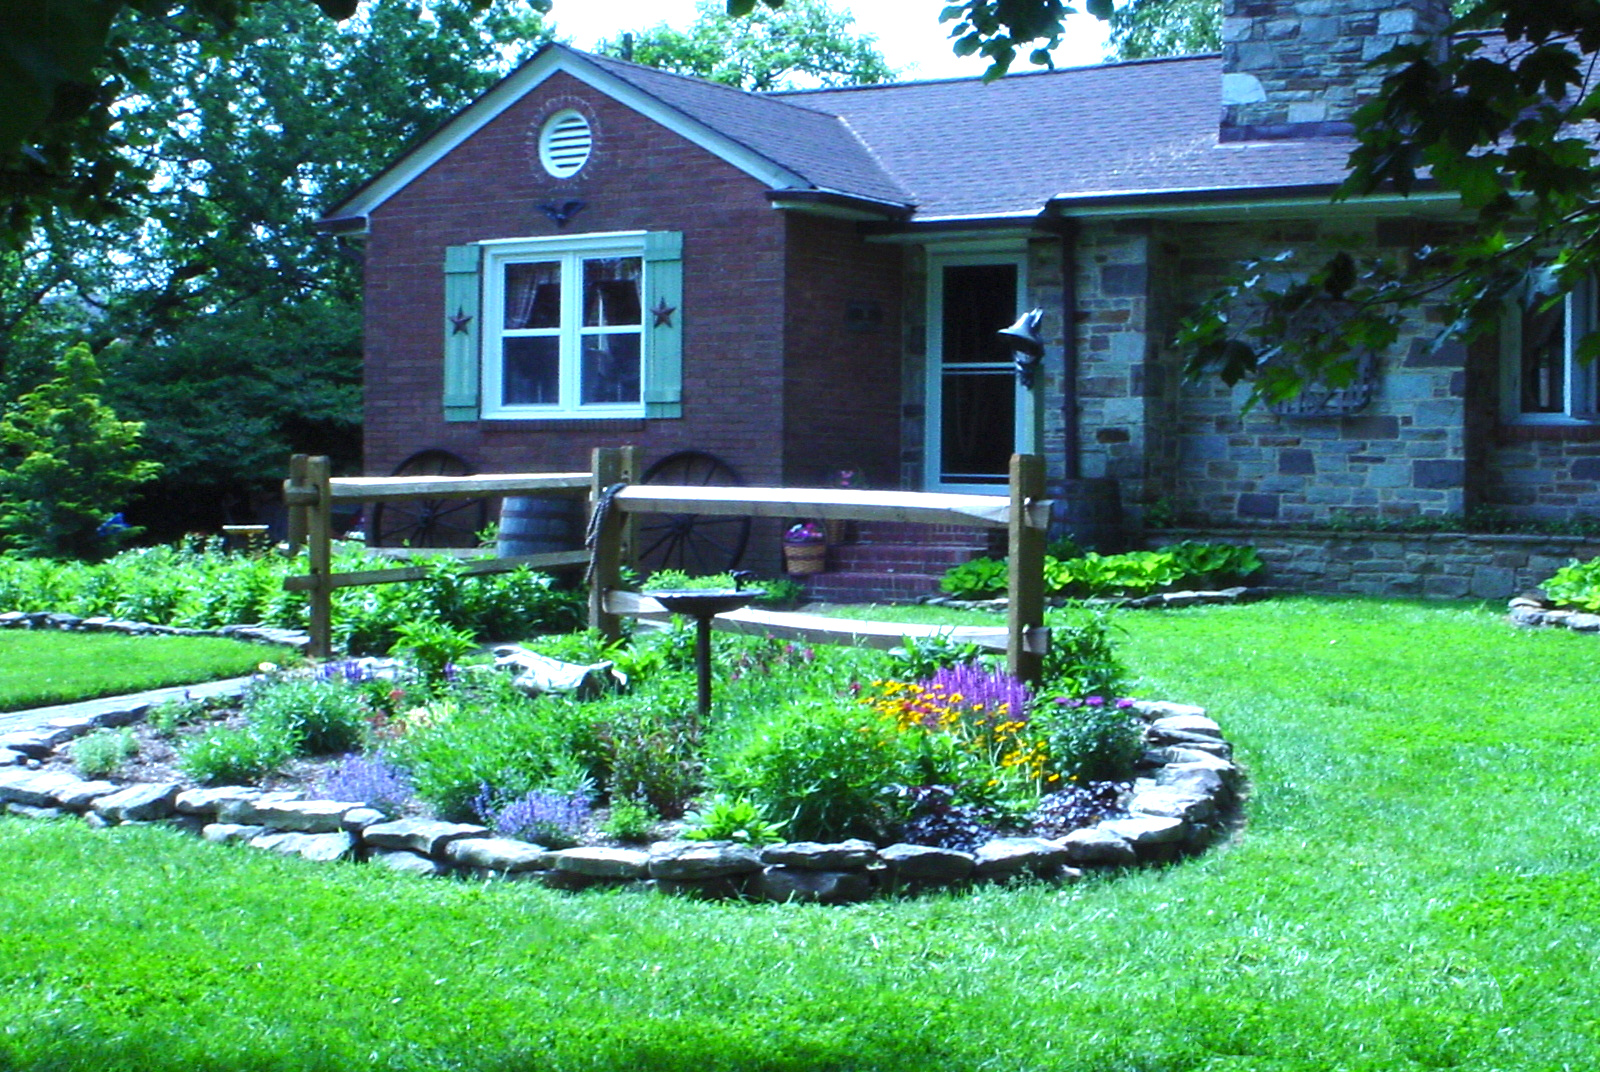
[555,820]
[370,779]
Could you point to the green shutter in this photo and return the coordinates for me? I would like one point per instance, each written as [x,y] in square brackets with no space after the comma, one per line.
[462,314]
[663,319]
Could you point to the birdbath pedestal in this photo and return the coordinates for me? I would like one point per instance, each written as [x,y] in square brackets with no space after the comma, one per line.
[703,604]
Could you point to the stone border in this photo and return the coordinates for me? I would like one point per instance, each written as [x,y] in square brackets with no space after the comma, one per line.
[1186,796]
[1534,610]
[72,623]
[1182,598]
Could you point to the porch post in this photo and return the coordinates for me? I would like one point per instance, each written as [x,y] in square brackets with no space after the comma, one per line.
[1025,607]
[608,466]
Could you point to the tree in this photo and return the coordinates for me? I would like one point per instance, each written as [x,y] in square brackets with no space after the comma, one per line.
[1145,29]
[237,323]
[1499,122]
[804,42]
[69,463]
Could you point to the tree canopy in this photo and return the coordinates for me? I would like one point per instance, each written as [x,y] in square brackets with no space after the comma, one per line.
[802,44]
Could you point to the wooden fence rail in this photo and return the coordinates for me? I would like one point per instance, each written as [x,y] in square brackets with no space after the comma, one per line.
[310,493]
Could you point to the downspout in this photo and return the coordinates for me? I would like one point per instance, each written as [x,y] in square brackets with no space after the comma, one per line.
[1072,467]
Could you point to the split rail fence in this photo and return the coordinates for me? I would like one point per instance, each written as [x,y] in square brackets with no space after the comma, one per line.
[310,493]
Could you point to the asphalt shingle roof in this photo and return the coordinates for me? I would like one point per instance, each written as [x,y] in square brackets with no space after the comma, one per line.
[966,148]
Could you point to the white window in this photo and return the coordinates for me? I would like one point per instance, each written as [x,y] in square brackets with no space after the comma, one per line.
[1542,381]
[563,327]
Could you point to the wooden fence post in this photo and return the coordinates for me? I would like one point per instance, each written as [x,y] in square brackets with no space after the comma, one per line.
[319,553]
[296,534]
[1025,608]
[609,465]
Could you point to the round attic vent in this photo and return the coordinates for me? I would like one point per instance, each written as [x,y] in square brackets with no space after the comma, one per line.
[564,143]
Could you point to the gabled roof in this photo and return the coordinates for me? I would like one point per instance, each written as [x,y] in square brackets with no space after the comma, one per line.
[950,150]
[966,149]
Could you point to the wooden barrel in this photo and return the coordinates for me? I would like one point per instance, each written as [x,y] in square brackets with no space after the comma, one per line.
[1088,511]
[539,524]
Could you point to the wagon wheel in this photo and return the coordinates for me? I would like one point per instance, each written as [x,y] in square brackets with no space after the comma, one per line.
[429,522]
[694,543]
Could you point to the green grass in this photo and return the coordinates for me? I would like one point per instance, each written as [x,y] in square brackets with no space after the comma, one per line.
[40,667]
[1417,888]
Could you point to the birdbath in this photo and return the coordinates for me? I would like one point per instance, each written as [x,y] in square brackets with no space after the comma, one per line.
[703,604]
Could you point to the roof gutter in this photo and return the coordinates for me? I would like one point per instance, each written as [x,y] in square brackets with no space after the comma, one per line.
[839,205]
[1237,200]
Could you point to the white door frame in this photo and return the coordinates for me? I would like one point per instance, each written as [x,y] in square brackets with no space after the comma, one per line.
[940,258]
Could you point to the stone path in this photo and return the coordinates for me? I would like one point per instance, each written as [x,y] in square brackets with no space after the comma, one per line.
[109,710]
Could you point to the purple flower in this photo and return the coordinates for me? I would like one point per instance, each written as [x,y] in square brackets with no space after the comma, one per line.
[552,819]
[1124,702]
[980,688]
[1095,701]
[371,780]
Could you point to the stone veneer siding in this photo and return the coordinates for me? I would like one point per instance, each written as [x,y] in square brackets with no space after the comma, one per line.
[1302,66]
[1432,565]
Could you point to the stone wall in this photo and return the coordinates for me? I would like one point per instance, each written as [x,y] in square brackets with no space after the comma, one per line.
[1432,565]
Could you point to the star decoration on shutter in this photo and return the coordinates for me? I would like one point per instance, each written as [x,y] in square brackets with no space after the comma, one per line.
[460,322]
[663,313]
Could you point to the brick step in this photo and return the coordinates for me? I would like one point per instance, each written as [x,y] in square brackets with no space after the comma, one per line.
[907,532]
[867,558]
[870,587]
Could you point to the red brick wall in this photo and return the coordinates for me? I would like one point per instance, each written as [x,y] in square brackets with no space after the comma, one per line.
[641,176]
[842,338]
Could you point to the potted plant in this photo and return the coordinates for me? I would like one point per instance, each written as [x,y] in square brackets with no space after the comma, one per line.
[805,548]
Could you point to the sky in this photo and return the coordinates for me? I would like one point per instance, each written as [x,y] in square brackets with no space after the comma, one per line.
[909,32]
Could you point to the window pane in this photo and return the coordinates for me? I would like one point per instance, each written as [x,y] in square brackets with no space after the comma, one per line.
[976,427]
[533,295]
[611,292]
[1544,360]
[610,368]
[979,300]
[532,372]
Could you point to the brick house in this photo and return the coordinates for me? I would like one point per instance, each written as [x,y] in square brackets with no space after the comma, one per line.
[597,253]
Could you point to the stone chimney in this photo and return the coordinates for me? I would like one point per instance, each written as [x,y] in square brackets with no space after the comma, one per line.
[1298,68]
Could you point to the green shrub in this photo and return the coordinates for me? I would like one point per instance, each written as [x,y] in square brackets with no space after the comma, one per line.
[1576,584]
[432,646]
[103,752]
[1090,740]
[644,749]
[981,578]
[630,821]
[725,818]
[918,658]
[168,716]
[226,755]
[824,768]
[318,717]
[1082,659]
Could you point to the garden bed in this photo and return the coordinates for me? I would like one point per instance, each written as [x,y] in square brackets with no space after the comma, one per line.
[1184,797]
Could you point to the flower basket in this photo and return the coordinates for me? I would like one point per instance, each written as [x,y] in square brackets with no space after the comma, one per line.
[805,557]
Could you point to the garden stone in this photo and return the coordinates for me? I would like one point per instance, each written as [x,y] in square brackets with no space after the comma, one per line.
[600,862]
[489,874]
[76,725]
[305,816]
[62,621]
[358,819]
[1173,803]
[810,886]
[425,836]
[139,803]
[80,796]
[1168,754]
[210,801]
[1584,623]
[1008,856]
[496,854]
[570,881]
[247,809]
[35,743]
[408,863]
[94,821]
[1194,779]
[30,811]
[690,861]
[1092,845]
[320,848]
[226,833]
[1527,616]
[1184,727]
[852,855]
[1158,709]
[36,789]
[9,758]
[1143,830]
[926,862]
[12,619]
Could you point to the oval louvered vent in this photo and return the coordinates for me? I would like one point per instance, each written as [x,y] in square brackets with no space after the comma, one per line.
[564,143]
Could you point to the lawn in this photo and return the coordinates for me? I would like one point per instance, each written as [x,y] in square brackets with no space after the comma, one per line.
[40,667]
[1417,888]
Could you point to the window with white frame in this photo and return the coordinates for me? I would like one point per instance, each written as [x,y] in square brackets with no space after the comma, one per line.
[563,327]
[1542,380]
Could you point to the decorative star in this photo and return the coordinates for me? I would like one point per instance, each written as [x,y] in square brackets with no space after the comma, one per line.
[663,313]
[459,322]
